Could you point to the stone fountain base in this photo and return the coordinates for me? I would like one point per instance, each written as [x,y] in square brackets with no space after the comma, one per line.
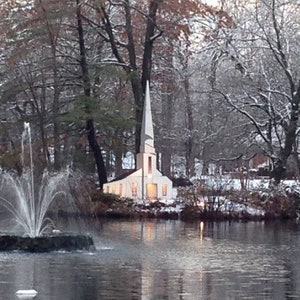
[61,242]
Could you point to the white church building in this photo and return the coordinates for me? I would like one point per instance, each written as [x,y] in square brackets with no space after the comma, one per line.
[146,182]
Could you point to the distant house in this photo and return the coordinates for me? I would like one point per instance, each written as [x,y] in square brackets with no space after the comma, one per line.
[259,161]
[146,182]
[260,165]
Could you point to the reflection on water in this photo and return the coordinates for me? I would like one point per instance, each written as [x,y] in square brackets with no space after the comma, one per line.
[165,260]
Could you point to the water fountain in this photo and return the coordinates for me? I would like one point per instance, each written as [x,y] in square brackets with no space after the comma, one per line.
[27,207]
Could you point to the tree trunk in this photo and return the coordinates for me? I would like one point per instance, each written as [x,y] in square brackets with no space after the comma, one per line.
[167,123]
[280,163]
[91,135]
[166,163]
[56,88]
[56,126]
[278,171]
[119,163]
[147,64]
[139,103]
[96,151]
[42,122]
[138,83]
[189,143]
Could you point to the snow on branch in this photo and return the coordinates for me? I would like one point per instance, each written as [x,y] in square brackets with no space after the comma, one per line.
[246,114]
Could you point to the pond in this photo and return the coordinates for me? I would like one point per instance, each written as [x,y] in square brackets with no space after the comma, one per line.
[165,260]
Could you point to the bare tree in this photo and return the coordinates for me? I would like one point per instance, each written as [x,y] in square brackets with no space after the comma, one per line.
[264,50]
[132,28]
[32,66]
[90,129]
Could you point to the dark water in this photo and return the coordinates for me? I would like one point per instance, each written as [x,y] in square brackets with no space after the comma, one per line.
[165,260]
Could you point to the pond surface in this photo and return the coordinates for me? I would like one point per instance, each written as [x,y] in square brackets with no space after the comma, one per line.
[165,260]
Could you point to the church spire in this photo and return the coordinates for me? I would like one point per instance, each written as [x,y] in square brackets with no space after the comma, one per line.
[147,135]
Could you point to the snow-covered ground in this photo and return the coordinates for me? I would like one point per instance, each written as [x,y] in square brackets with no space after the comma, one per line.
[221,203]
[227,184]
[226,206]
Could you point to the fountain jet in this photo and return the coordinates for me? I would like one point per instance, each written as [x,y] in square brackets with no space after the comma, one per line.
[28,206]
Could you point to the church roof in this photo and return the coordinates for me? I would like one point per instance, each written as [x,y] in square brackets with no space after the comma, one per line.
[123,175]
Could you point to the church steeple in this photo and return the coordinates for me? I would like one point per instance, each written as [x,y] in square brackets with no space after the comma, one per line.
[146,158]
[147,135]
[146,182]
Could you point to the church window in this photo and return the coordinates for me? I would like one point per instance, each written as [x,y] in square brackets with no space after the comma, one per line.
[121,190]
[164,189]
[134,189]
[149,165]
[113,189]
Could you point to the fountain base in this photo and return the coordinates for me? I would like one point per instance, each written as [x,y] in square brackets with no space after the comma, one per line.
[61,242]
